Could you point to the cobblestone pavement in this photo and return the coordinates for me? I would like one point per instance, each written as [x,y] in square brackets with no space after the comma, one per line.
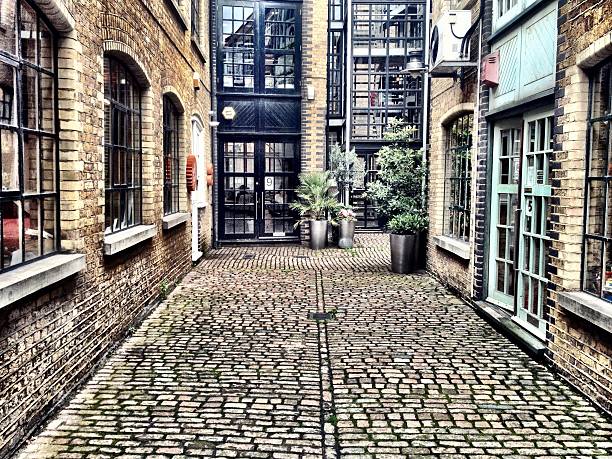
[235,364]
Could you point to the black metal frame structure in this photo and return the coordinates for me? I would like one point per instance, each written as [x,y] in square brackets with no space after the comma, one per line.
[597,242]
[122,146]
[171,119]
[29,144]
[458,173]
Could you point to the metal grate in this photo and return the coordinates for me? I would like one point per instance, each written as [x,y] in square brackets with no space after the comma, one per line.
[320,316]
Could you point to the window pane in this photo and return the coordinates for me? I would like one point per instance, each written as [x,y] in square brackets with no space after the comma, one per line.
[12,233]
[47,96]
[27,33]
[29,98]
[46,46]
[32,221]
[48,216]
[592,266]
[7,26]
[30,163]
[10,162]
[7,94]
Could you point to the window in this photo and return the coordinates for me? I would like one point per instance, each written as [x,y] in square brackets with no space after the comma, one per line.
[195,20]
[383,37]
[171,157]
[258,48]
[279,39]
[335,72]
[29,198]
[597,262]
[122,147]
[458,177]
[503,6]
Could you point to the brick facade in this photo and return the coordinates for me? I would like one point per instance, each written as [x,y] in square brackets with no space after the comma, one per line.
[51,340]
[580,350]
[450,98]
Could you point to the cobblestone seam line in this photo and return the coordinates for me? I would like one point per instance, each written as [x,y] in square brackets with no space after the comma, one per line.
[329,419]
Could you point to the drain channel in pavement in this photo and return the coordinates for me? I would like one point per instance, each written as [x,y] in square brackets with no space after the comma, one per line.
[320,316]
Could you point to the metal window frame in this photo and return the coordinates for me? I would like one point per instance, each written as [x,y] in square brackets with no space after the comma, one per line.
[195,20]
[171,125]
[606,182]
[112,189]
[458,179]
[19,63]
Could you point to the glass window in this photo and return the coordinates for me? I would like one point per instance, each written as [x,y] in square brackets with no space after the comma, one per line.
[195,20]
[458,177]
[503,6]
[279,39]
[171,157]
[597,262]
[383,37]
[29,197]
[335,71]
[122,147]
[238,38]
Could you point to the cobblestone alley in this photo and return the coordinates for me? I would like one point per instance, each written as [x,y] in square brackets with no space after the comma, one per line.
[241,362]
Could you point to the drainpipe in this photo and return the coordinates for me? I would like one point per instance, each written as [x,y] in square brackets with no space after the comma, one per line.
[426,80]
[213,106]
[349,74]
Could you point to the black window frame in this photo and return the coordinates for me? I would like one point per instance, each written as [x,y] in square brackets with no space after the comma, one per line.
[112,147]
[380,91]
[171,153]
[458,177]
[597,287]
[16,125]
[258,50]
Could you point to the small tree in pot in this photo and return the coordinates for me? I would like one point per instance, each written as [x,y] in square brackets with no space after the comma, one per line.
[347,169]
[316,200]
[400,195]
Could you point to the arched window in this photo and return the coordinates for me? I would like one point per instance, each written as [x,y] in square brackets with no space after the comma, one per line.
[597,252]
[122,147]
[459,177]
[171,157]
[29,198]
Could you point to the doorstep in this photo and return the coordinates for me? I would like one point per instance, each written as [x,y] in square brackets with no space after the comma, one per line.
[501,319]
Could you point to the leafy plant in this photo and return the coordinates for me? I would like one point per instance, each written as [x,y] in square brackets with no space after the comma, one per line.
[346,213]
[408,223]
[399,188]
[347,169]
[315,195]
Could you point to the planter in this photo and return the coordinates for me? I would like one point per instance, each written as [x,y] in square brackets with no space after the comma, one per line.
[347,234]
[318,234]
[403,253]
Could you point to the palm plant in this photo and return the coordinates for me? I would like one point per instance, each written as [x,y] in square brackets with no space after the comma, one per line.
[315,196]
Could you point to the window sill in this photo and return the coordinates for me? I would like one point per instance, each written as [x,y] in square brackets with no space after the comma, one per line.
[588,307]
[454,246]
[177,14]
[118,242]
[172,220]
[198,50]
[32,277]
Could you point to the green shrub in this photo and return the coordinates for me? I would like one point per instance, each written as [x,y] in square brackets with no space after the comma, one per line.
[408,223]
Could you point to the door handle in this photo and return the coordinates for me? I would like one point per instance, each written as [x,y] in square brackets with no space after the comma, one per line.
[263,206]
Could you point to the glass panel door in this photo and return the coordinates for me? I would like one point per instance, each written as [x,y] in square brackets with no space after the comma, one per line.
[238,193]
[505,180]
[533,242]
[258,181]
[279,180]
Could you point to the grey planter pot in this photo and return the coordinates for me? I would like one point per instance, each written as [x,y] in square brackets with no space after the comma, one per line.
[347,234]
[318,234]
[403,253]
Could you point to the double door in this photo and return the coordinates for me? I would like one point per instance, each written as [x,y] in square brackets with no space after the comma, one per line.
[258,181]
[518,219]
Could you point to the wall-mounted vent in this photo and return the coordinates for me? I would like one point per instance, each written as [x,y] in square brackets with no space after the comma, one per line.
[490,69]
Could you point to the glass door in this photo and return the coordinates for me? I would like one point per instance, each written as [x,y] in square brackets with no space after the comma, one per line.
[258,184]
[532,283]
[505,181]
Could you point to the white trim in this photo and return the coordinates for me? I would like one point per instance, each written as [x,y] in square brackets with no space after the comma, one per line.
[175,219]
[33,277]
[123,240]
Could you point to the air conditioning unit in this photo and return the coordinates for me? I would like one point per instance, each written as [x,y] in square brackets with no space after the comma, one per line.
[446,38]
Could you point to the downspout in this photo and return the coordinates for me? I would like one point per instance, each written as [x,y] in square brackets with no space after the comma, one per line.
[349,76]
[213,106]
[426,80]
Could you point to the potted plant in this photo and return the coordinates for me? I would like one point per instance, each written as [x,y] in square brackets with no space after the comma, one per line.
[347,169]
[315,200]
[406,230]
[346,224]
[399,193]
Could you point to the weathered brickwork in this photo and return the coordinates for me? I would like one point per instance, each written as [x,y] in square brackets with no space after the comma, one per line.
[51,340]
[449,99]
[580,350]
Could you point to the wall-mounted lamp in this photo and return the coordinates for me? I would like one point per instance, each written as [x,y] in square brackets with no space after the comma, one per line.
[310,92]
[196,81]
[211,119]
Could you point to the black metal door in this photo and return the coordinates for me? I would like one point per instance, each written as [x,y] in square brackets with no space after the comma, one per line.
[258,180]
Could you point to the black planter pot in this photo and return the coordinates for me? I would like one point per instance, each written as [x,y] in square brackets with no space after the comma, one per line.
[407,252]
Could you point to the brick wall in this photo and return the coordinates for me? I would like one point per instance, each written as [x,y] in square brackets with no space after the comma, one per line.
[51,340]
[579,350]
[449,99]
